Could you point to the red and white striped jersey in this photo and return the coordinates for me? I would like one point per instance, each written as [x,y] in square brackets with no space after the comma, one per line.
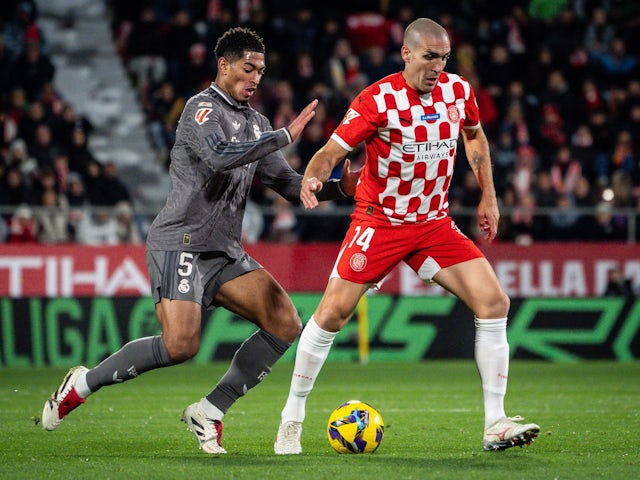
[410,142]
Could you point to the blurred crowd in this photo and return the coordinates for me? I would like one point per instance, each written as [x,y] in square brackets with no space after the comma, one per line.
[557,82]
[52,189]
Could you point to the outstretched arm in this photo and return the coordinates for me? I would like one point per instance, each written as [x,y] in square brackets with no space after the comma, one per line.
[335,189]
[477,149]
[319,170]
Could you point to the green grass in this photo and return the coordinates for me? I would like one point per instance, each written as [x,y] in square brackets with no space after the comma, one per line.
[588,412]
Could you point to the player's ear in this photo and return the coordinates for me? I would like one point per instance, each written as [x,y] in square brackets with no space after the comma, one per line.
[405,53]
[223,65]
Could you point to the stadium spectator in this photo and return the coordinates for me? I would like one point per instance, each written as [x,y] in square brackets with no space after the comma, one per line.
[23,227]
[126,225]
[618,64]
[163,112]
[8,129]
[599,33]
[14,190]
[252,223]
[605,227]
[523,174]
[142,49]
[623,157]
[80,157]
[18,157]
[43,148]
[97,227]
[283,225]
[68,122]
[51,216]
[35,116]
[113,188]
[524,226]
[21,26]
[564,220]
[565,171]
[7,69]
[496,73]
[77,200]
[33,69]
[179,37]
[582,149]
[546,195]
[618,285]
[196,74]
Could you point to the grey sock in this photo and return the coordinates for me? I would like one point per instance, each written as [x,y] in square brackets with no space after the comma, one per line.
[136,357]
[251,363]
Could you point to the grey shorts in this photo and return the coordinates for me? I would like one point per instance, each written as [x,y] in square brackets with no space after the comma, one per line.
[194,276]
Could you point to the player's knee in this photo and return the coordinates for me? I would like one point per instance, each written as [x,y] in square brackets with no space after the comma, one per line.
[292,326]
[495,306]
[332,317]
[181,350]
[286,323]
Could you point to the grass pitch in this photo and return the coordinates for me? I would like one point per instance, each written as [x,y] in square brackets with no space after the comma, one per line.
[589,415]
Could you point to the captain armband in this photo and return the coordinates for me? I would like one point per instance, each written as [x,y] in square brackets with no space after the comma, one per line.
[331,190]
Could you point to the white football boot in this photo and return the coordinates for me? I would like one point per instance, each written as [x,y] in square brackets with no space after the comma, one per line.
[507,433]
[207,431]
[63,400]
[288,439]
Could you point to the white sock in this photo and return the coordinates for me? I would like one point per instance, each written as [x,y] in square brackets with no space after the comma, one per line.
[492,359]
[82,389]
[313,349]
[210,409]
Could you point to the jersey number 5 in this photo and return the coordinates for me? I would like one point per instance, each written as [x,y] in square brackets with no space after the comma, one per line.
[185,264]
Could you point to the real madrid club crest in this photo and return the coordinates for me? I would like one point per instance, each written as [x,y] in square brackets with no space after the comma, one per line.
[183,286]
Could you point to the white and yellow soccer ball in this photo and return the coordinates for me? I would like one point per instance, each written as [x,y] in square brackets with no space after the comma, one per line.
[355,427]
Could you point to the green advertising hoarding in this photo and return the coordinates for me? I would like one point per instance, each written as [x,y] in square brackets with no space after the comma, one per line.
[41,331]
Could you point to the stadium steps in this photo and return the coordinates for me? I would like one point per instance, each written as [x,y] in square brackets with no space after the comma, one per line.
[91,77]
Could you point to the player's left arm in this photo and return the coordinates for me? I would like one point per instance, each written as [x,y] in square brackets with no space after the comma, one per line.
[478,154]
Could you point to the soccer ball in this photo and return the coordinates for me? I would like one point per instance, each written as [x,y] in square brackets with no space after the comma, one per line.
[355,427]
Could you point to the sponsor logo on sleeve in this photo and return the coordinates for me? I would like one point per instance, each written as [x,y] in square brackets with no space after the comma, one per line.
[202,115]
[350,115]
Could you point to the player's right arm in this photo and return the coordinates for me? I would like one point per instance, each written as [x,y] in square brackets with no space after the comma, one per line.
[319,170]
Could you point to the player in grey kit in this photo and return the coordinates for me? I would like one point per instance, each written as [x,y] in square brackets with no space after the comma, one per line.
[194,253]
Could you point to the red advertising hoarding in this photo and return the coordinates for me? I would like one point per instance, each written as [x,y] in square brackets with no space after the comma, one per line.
[542,270]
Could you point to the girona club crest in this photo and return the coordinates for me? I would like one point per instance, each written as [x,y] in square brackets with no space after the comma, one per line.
[358,262]
[453,113]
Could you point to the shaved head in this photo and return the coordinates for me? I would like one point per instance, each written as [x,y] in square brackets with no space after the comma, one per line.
[425,51]
[423,27]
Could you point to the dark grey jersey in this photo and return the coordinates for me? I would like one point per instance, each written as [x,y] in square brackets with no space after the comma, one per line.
[220,145]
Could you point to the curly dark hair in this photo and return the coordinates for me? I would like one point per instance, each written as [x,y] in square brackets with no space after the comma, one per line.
[235,41]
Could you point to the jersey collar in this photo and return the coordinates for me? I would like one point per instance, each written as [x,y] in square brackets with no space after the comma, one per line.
[230,100]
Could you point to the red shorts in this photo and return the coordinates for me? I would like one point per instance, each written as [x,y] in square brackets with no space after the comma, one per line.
[372,249]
